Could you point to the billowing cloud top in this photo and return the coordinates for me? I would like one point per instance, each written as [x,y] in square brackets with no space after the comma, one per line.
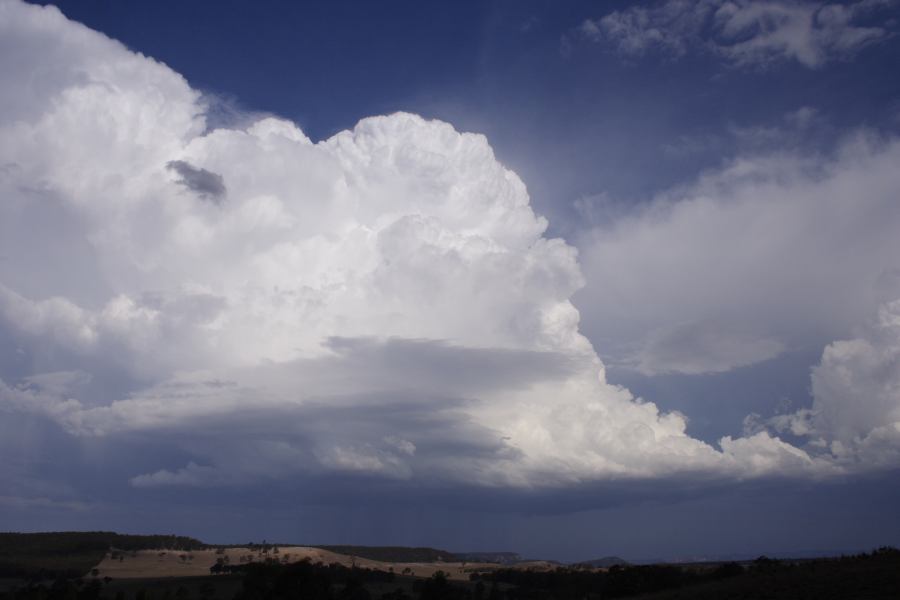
[381,302]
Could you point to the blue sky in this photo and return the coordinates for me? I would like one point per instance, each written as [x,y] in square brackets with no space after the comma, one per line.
[227,301]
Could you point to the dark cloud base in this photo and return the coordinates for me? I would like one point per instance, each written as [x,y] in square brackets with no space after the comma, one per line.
[206,184]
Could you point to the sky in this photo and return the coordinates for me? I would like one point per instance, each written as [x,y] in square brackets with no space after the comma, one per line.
[564,279]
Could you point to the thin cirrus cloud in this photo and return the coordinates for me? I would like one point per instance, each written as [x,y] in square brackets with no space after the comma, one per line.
[748,33]
[382,303]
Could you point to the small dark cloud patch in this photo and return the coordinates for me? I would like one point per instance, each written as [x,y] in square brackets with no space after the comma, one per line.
[208,185]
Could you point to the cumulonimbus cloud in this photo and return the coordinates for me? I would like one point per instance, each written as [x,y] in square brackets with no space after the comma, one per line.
[381,302]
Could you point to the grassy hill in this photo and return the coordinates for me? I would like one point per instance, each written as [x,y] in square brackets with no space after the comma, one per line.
[74,553]
[394,553]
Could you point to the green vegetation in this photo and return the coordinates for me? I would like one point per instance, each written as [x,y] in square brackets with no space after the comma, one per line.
[874,576]
[605,562]
[74,553]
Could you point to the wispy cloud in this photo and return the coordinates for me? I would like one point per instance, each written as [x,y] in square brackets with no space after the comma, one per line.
[744,33]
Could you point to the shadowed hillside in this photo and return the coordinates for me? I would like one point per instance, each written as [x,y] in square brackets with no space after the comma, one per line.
[74,553]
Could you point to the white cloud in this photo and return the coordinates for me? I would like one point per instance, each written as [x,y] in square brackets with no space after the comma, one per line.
[743,32]
[383,301]
[857,384]
[856,391]
[771,252]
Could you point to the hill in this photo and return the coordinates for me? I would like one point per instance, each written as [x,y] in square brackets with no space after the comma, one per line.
[398,554]
[500,558]
[74,553]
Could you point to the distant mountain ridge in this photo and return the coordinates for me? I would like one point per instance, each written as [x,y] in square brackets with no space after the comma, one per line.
[742,557]
[421,554]
[503,558]
[604,562]
[393,553]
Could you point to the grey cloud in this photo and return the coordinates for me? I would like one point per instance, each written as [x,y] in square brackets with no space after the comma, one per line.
[386,436]
[444,366]
[21,502]
[396,408]
[706,346]
[208,185]
[245,460]
[399,406]
[395,436]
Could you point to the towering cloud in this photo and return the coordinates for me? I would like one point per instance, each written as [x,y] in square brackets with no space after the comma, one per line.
[381,302]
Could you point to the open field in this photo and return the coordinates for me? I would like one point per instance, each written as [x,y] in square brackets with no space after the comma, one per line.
[173,563]
[107,554]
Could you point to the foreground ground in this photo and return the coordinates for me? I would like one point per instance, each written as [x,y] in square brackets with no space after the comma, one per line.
[103,566]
